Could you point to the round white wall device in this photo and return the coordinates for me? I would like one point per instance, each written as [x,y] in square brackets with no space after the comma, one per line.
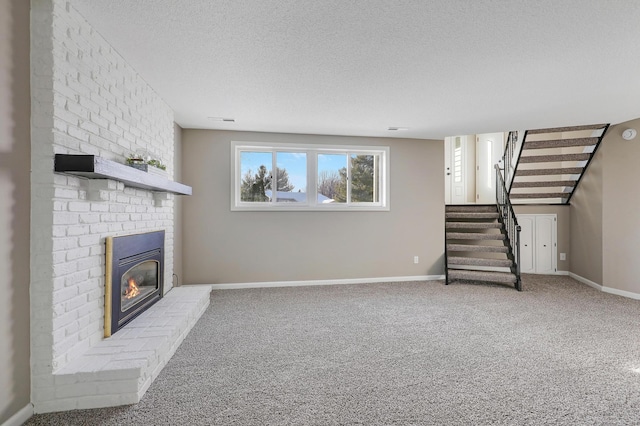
[629,134]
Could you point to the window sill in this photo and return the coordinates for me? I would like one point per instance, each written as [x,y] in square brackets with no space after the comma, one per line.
[310,209]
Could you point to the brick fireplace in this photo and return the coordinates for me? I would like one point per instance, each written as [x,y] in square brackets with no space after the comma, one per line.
[88,100]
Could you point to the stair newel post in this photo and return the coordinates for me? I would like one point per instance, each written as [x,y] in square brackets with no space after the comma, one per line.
[517,249]
[446,261]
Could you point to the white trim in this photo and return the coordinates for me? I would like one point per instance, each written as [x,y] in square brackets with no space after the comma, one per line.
[325,282]
[20,417]
[610,290]
[585,281]
[622,293]
[549,273]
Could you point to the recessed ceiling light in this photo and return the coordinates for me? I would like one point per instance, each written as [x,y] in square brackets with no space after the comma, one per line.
[397,128]
[225,119]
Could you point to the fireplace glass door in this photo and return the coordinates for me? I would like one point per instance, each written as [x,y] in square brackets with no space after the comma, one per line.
[138,282]
[134,278]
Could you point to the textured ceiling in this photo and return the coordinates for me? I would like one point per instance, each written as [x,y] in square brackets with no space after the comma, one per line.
[438,67]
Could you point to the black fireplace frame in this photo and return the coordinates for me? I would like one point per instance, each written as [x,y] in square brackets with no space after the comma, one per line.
[124,252]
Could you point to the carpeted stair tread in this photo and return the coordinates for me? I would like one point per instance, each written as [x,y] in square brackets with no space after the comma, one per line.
[554,158]
[470,248]
[465,274]
[473,225]
[557,171]
[476,261]
[566,129]
[471,208]
[560,143]
[543,184]
[541,195]
[462,215]
[473,236]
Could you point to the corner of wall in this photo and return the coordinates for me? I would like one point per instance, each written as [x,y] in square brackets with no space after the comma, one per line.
[15,105]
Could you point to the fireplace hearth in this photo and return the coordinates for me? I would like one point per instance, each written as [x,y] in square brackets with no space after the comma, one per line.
[134,280]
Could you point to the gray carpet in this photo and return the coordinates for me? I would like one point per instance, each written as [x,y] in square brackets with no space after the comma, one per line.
[398,353]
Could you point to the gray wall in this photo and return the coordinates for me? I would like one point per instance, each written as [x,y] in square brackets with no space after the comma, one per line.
[221,246]
[15,153]
[621,210]
[586,221]
[605,224]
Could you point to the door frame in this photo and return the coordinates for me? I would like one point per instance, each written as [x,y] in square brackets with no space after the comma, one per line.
[468,178]
[495,156]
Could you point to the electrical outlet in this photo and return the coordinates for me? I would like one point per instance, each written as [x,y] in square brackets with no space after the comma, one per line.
[563,256]
[416,259]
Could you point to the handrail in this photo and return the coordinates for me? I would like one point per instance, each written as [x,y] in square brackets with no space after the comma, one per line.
[584,169]
[507,157]
[508,218]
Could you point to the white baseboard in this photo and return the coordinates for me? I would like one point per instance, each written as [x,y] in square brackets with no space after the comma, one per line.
[20,417]
[325,282]
[550,273]
[622,293]
[604,289]
[585,281]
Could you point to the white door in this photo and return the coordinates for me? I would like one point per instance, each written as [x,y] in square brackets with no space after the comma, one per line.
[545,244]
[455,164]
[489,150]
[538,243]
[527,261]
[447,170]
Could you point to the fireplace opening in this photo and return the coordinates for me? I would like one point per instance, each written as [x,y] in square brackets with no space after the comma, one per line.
[134,277]
[139,282]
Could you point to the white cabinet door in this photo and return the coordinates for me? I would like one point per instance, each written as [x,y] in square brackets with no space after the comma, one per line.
[538,241]
[545,244]
[527,261]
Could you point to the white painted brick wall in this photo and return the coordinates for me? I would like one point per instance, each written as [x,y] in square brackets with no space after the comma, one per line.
[86,100]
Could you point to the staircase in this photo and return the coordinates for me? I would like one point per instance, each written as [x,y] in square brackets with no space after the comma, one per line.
[552,162]
[482,242]
[477,245]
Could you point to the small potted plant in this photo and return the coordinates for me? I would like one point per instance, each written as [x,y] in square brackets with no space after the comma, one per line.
[146,164]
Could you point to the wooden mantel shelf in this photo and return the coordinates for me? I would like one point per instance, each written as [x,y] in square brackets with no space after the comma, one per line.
[93,167]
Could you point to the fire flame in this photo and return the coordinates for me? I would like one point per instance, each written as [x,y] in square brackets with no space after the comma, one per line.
[132,291]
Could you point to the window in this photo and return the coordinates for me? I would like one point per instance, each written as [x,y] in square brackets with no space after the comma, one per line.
[309,177]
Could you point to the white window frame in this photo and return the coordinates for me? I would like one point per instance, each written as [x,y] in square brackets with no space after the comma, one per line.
[312,151]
